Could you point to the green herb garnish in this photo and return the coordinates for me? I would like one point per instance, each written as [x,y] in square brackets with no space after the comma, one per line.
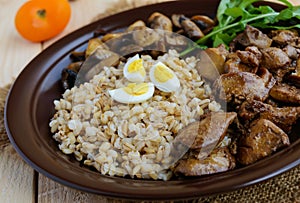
[234,15]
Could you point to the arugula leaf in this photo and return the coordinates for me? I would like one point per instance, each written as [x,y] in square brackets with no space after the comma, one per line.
[234,15]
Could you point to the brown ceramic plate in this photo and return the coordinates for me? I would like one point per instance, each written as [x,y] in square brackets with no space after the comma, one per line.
[30,106]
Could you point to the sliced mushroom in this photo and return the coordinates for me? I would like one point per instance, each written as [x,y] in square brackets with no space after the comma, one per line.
[69,75]
[203,22]
[110,36]
[177,19]
[145,37]
[137,25]
[93,44]
[94,64]
[77,56]
[191,29]
[160,21]
[211,63]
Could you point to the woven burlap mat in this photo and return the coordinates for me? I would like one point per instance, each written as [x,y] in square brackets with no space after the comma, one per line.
[284,188]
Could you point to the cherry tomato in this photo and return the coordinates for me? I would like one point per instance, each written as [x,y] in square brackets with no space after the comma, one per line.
[40,20]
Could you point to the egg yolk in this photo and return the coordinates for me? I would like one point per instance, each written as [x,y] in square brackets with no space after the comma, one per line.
[161,74]
[137,66]
[136,89]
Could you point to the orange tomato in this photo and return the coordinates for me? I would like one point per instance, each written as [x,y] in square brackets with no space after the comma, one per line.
[40,20]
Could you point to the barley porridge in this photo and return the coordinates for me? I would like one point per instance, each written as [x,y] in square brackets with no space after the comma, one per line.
[130,139]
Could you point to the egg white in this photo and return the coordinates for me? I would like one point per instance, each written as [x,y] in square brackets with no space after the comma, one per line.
[170,85]
[134,76]
[120,95]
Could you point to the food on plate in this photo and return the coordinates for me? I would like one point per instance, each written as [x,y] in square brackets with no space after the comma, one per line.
[133,93]
[264,138]
[219,160]
[145,103]
[41,20]
[134,70]
[136,140]
[164,78]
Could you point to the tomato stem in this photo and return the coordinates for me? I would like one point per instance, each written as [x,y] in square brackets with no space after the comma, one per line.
[41,13]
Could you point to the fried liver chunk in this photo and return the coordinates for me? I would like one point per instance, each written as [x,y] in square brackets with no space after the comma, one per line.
[240,86]
[263,139]
[219,160]
[206,133]
[254,37]
[284,117]
[285,93]
[274,58]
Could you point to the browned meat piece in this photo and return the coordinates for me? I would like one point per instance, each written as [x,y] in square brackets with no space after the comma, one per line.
[219,160]
[284,117]
[211,63]
[254,37]
[291,52]
[294,78]
[160,21]
[285,93]
[283,37]
[191,29]
[206,133]
[263,139]
[248,58]
[282,73]
[267,77]
[244,61]
[234,64]
[237,87]
[255,51]
[274,58]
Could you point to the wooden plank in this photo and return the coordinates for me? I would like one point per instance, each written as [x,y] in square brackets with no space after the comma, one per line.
[83,13]
[52,192]
[17,178]
[17,52]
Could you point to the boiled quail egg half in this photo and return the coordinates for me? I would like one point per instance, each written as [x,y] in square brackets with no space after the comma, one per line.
[164,78]
[133,93]
[134,70]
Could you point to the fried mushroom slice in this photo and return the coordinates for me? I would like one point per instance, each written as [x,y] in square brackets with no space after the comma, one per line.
[160,21]
[206,133]
[285,93]
[263,139]
[284,117]
[219,160]
[211,63]
[191,29]
[240,86]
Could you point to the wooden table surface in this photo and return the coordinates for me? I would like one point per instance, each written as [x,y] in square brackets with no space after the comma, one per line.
[19,182]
